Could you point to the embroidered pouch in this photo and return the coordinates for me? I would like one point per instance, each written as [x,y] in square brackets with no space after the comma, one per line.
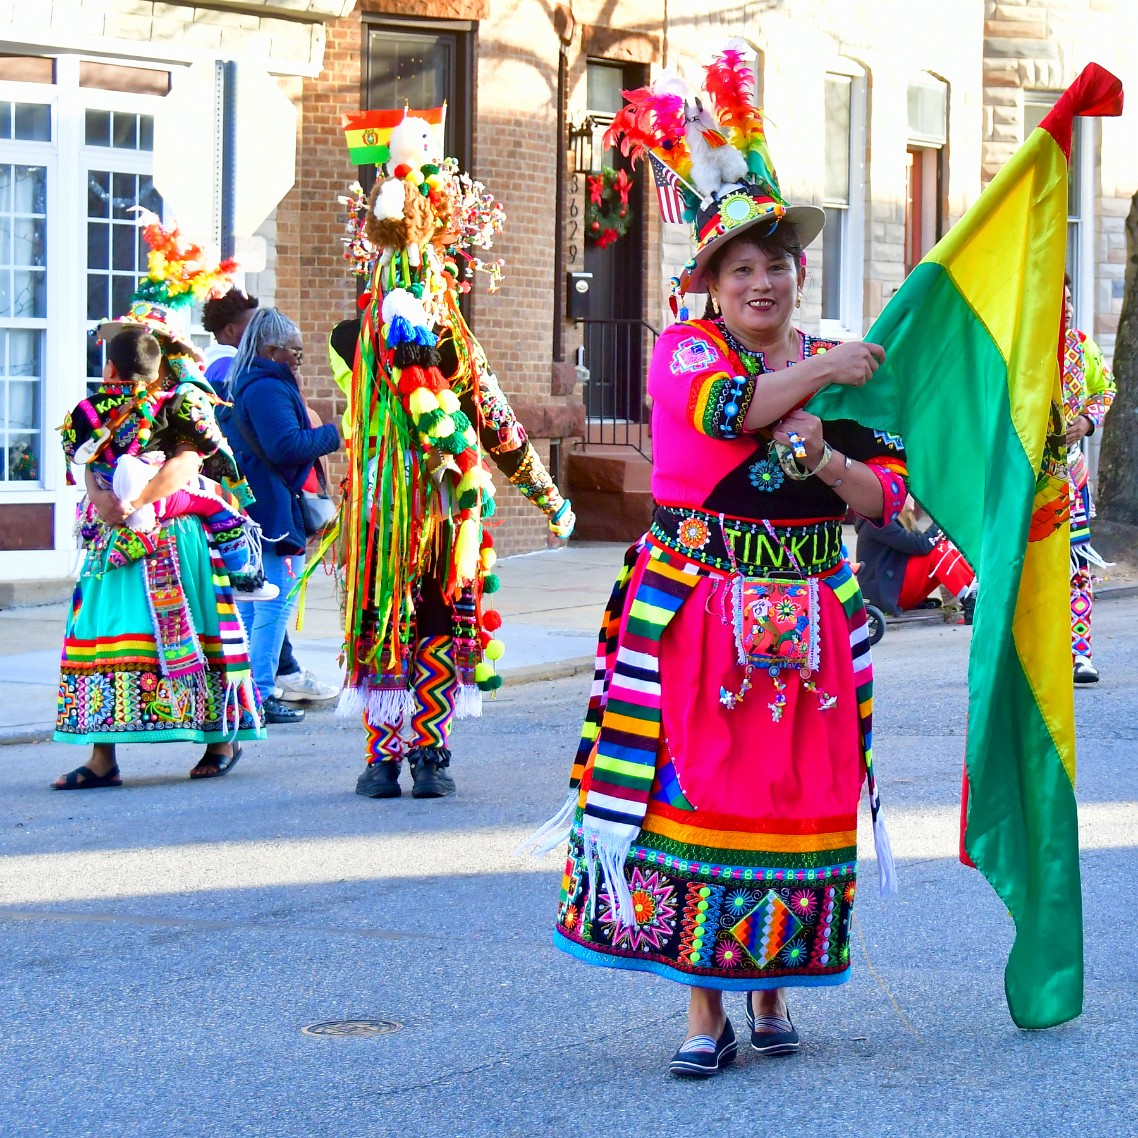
[776,623]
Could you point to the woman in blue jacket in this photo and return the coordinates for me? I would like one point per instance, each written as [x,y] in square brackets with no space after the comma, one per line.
[276,440]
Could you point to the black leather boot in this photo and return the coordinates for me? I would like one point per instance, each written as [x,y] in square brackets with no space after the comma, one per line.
[379,780]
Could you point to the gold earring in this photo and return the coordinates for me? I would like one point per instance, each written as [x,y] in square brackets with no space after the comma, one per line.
[798,301]
[715,304]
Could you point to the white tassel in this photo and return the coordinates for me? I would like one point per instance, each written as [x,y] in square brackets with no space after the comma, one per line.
[351,703]
[886,867]
[612,853]
[552,833]
[468,702]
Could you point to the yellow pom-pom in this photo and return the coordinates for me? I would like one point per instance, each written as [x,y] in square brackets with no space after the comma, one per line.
[466,550]
[422,400]
[482,671]
[495,650]
[448,401]
[489,557]
[444,428]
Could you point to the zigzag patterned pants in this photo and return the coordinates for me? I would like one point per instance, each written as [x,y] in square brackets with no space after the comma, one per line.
[1082,602]
[434,684]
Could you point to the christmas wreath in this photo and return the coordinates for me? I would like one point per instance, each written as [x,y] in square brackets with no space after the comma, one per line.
[607,212]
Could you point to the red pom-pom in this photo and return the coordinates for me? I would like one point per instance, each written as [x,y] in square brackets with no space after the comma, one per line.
[410,379]
[484,638]
[402,170]
[487,541]
[491,621]
[363,300]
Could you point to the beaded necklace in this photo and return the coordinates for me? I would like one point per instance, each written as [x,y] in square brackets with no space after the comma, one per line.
[754,362]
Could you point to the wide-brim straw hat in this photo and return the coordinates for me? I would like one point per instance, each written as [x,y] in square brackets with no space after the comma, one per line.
[722,219]
[160,320]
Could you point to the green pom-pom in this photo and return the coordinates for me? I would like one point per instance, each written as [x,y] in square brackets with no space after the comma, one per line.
[416,290]
[429,168]
[428,421]
[492,684]
[424,189]
[462,423]
[490,583]
[488,507]
[468,499]
[452,444]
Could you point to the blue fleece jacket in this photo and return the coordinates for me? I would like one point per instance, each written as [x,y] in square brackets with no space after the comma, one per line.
[268,400]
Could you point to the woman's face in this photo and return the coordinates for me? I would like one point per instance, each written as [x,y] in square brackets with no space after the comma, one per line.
[756,290]
[290,353]
[1068,308]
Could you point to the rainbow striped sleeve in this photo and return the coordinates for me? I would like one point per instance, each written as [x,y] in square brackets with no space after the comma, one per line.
[718,400]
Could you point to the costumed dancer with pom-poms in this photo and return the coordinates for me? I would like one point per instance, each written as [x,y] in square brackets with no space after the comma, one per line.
[425,414]
[712,809]
[154,650]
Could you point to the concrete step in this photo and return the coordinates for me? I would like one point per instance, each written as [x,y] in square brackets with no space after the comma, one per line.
[606,515]
[35,591]
[611,470]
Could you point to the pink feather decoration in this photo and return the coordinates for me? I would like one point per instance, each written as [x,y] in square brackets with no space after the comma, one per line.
[649,120]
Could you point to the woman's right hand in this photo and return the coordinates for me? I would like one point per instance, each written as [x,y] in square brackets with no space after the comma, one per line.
[853,363]
[110,507]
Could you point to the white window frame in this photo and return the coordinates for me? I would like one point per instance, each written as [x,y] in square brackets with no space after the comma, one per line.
[67,158]
[851,288]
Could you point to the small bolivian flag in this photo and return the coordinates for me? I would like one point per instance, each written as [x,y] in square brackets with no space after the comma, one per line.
[971,380]
[367,132]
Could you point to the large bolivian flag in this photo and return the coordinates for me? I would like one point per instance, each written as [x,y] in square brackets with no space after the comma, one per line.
[971,380]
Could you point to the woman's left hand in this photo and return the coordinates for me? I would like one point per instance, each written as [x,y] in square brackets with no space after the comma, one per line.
[808,428]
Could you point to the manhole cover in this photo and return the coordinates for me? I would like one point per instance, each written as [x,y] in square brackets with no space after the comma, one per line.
[356,1028]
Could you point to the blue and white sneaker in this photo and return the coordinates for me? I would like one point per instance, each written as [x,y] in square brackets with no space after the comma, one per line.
[701,1056]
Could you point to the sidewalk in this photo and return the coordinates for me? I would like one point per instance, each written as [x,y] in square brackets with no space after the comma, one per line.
[551,603]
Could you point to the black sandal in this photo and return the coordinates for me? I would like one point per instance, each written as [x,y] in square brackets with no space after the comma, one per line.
[216,765]
[84,778]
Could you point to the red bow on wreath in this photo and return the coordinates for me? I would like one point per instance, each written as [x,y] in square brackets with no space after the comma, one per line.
[607,212]
[597,188]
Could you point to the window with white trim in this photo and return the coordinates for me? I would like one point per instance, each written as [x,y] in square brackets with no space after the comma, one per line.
[843,240]
[1080,254]
[73,159]
[924,166]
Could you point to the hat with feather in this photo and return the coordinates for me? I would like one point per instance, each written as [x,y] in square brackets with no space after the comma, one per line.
[714,153]
[177,274]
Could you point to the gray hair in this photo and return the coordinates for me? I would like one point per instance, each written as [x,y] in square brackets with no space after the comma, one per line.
[269,326]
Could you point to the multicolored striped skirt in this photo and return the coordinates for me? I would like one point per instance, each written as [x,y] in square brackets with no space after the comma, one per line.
[744,871]
[155,652]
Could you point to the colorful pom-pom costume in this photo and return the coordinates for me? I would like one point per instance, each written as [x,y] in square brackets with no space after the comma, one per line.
[712,807]
[426,417]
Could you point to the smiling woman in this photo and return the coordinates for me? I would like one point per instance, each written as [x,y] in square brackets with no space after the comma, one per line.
[712,816]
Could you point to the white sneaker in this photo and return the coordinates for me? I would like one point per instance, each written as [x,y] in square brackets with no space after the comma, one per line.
[265,592]
[302,686]
[1085,671]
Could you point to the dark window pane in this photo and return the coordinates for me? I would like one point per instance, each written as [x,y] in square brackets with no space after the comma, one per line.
[121,289]
[145,132]
[124,247]
[98,194]
[23,458]
[416,70]
[98,245]
[98,297]
[832,264]
[5,120]
[33,122]
[148,197]
[124,131]
[124,190]
[98,128]
[94,356]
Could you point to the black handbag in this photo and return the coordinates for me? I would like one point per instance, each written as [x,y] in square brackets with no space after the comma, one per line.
[317,510]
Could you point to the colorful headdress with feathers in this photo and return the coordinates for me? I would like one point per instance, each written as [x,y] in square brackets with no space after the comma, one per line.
[178,274]
[715,156]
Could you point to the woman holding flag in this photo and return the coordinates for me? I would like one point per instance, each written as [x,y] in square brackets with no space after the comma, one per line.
[712,814]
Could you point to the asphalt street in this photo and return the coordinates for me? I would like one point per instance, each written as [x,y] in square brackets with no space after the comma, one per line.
[163,945]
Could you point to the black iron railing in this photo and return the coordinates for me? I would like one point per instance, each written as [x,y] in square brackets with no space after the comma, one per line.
[617,353]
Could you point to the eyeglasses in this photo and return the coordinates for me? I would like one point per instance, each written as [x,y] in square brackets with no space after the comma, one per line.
[296,353]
